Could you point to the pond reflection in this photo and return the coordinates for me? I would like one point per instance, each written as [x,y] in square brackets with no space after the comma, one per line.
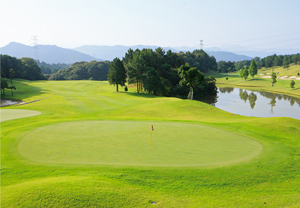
[259,104]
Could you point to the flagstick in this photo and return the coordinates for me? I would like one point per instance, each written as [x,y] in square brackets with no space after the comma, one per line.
[150,139]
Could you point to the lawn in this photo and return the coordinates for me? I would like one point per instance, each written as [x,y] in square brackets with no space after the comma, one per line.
[90,147]
[261,83]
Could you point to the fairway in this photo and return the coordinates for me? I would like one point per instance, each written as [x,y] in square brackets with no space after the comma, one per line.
[8,114]
[128,143]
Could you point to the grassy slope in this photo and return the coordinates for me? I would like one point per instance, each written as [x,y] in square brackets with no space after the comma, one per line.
[263,84]
[270,180]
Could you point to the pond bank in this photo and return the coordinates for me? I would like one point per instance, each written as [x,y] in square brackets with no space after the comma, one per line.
[255,103]
[258,84]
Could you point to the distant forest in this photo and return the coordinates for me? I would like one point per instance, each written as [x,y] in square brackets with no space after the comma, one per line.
[24,68]
[269,61]
[93,70]
[51,68]
[27,68]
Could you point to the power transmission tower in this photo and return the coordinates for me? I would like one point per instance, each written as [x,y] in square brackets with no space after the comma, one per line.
[201,44]
[34,43]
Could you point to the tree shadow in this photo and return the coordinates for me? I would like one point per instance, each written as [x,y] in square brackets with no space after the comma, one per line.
[143,95]
[253,79]
[223,75]
[23,90]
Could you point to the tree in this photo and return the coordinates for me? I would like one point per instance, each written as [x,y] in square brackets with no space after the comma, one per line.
[190,77]
[11,74]
[3,86]
[244,73]
[152,81]
[200,59]
[253,69]
[211,84]
[12,88]
[117,73]
[292,84]
[31,70]
[273,78]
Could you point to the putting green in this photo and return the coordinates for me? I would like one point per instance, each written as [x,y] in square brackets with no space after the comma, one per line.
[128,143]
[8,114]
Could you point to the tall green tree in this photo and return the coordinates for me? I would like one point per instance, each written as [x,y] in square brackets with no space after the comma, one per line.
[11,74]
[31,70]
[273,78]
[253,69]
[200,59]
[3,85]
[117,73]
[152,81]
[244,73]
[190,77]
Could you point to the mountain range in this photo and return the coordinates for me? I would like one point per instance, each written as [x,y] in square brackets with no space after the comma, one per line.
[46,53]
[54,54]
[110,52]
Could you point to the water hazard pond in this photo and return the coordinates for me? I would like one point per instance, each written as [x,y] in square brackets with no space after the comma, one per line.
[7,102]
[252,103]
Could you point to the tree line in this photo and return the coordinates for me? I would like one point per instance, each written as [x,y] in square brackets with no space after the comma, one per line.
[24,68]
[51,68]
[269,61]
[164,73]
[83,70]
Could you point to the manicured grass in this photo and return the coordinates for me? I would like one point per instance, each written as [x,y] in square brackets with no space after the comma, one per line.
[293,70]
[128,143]
[270,179]
[259,83]
[8,114]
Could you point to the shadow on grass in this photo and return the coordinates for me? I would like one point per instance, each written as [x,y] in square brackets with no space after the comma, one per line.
[141,94]
[23,90]
[254,79]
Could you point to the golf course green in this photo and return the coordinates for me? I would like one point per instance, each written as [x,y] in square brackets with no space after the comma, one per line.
[90,147]
[128,143]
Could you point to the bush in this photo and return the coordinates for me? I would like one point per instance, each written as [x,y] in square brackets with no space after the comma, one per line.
[292,84]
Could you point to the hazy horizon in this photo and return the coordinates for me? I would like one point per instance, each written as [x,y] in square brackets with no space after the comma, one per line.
[231,25]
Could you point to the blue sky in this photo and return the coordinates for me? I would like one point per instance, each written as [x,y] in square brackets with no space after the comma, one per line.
[263,24]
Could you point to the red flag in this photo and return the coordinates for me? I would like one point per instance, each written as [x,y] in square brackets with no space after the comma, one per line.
[152,128]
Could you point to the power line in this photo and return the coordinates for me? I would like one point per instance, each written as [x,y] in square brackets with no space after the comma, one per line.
[249,40]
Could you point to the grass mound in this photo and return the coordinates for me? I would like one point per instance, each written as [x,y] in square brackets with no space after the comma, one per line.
[128,143]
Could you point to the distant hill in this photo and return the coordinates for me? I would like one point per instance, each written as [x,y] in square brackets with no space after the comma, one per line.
[46,53]
[54,54]
[111,52]
[93,70]
[228,56]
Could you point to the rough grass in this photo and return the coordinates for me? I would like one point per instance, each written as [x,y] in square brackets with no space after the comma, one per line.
[271,179]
